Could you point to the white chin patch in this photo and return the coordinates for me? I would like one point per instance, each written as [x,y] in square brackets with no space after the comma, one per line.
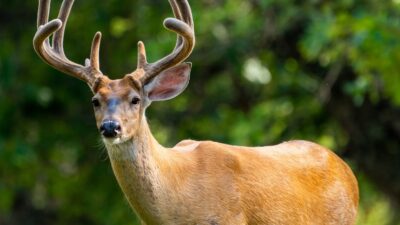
[114,141]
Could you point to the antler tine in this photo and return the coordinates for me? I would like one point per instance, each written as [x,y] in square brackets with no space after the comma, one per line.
[186,16]
[185,40]
[186,12]
[43,12]
[142,58]
[54,55]
[95,51]
[58,37]
[178,15]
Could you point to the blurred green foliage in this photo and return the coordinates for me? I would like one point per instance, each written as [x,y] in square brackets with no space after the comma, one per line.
[264,71]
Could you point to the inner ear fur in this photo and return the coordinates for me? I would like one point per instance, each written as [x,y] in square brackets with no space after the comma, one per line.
[169,83]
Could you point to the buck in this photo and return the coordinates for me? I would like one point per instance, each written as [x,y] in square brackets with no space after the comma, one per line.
[198,182]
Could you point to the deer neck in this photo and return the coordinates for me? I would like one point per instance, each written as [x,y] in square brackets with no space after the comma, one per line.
[136,165]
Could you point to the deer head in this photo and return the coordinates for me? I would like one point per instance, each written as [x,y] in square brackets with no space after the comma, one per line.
[119,105]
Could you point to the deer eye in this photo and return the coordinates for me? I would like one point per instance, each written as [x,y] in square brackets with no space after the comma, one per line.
[95,102]
[135,100]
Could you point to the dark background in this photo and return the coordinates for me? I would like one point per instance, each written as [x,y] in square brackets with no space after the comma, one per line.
[264,71]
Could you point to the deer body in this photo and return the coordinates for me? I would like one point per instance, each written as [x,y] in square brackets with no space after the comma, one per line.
[205,182]
[198,182]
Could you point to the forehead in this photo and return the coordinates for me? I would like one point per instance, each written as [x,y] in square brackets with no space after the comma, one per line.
[117,88]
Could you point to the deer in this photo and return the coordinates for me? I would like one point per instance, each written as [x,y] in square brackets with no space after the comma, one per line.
[197,182]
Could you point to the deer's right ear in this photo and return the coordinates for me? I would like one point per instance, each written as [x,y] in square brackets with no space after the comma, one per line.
[169,83]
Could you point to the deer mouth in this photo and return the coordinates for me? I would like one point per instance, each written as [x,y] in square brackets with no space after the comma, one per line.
[114,140]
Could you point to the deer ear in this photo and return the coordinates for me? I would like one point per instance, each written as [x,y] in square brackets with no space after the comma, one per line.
[169,83]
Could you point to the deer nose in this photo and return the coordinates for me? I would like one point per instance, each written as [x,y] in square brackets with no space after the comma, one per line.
[110,128]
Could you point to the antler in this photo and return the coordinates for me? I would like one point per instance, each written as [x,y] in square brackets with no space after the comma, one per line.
[54,54]
[183,25]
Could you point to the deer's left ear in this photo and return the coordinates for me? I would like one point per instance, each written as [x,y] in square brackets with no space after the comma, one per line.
[169,83]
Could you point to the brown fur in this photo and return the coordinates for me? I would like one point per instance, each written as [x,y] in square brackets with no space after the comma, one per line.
[204,182]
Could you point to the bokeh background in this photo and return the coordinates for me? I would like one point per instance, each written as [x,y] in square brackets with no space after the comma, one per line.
[264,71]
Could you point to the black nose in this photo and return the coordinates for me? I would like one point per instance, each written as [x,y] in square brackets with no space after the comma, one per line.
[110,128]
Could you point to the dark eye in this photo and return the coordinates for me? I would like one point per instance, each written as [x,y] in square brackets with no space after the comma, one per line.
[95,102]
[135,101]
